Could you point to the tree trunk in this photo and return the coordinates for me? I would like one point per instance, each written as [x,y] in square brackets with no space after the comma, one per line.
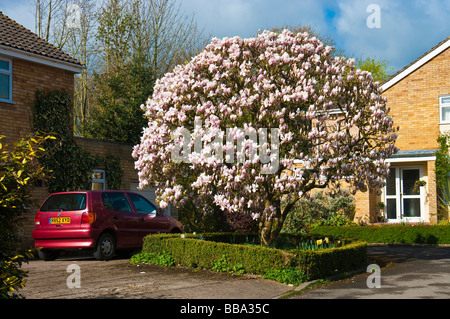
[271,227]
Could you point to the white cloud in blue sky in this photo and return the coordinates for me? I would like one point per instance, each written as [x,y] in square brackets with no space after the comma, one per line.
[409,28]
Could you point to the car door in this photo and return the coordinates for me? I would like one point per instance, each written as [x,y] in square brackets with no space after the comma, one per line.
[124,219]
[151,222]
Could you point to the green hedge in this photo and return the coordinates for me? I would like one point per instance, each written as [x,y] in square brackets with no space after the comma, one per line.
[205,250]
[405,234]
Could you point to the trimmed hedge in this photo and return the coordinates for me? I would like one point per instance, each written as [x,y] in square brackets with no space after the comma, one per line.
[205,250]
[403,234]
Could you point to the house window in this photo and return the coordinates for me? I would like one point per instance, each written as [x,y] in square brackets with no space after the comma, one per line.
[444,107]
[98,180]
[5,80]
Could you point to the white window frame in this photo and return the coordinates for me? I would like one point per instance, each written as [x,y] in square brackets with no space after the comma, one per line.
[9,73]
[441,106]
[99,180]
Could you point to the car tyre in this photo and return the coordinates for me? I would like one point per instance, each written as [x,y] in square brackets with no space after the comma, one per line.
[48,254]
[106,247]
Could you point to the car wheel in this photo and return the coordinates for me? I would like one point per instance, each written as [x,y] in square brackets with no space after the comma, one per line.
[106,247]
[47,254]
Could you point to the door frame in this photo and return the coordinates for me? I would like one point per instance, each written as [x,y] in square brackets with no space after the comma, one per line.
[399,195]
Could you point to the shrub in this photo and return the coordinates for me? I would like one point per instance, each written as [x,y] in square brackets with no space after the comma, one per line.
[240,253]
[290,275]
[336,209]
[407,234]
[163,259]
[19,171]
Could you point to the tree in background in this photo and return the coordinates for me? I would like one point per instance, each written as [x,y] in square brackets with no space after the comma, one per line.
[284,89]
[379,69]
[139,41]
[118,116]
[135,41]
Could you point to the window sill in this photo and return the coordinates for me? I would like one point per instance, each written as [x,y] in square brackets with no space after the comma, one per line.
[9,102]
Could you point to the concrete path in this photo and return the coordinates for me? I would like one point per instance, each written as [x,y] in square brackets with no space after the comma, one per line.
[405,273]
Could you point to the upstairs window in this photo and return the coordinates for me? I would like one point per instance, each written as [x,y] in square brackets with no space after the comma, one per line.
[5,80]
[444,108]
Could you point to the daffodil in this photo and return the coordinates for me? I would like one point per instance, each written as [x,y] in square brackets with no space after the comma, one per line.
[319,242]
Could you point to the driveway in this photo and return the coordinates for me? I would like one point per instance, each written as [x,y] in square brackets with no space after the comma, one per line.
[87,278]
[406,272]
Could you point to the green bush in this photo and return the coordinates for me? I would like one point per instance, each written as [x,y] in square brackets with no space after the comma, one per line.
[241,253]
[321,209]
[405,234]
[290,275]
[163,259]
[19,171]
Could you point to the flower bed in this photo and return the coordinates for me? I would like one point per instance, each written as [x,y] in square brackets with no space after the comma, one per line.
[241,253]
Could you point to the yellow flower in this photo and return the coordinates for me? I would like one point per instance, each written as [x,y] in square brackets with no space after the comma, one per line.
[319,242]
[326,240]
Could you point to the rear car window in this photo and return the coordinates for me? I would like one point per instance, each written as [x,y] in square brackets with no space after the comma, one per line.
[64,202]
[116,202]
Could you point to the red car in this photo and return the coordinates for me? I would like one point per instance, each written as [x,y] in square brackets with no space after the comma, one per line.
[105,221]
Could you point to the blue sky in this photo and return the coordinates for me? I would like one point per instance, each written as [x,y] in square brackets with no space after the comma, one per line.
[408,28]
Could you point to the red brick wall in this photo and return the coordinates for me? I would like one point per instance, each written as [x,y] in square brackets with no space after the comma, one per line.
[16,117]
[123,151]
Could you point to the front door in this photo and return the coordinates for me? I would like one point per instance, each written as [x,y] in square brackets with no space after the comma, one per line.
[404,197]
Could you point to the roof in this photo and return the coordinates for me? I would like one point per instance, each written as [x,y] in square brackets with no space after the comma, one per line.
[415,153]
[413,156]
[416,64]
[21,40]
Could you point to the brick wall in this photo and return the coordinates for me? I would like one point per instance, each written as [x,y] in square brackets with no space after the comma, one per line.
[123,151]
[414,103]
[16,117]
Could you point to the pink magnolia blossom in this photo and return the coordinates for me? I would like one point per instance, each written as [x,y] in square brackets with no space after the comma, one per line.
[330,116]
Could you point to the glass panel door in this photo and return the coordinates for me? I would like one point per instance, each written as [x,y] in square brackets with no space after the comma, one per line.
[411,193]
[403,198]
[392,195]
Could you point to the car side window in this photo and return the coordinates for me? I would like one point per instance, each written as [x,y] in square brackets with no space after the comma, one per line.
[143,206]
[116,202]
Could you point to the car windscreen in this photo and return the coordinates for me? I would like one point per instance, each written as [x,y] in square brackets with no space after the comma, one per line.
[64,202]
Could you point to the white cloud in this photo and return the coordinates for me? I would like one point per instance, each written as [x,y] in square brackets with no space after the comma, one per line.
[408,28]
[245,17]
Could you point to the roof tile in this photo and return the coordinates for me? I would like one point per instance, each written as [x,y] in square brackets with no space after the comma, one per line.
[14,35]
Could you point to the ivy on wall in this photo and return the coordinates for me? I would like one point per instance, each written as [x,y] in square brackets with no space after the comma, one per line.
[442,164]
[70,165]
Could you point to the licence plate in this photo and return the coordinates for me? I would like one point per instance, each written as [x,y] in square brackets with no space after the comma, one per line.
[59,220]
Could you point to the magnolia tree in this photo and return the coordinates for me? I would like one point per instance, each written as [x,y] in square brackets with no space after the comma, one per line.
[249,122]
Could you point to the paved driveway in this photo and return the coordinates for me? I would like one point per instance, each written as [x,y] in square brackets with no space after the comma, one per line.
[406,273]
[87,278]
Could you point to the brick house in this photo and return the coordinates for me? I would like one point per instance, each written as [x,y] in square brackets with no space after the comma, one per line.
[28,63]
[419,98]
